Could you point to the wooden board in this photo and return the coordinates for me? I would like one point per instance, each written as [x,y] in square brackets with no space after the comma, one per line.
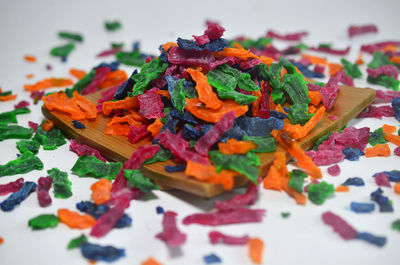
[350,102]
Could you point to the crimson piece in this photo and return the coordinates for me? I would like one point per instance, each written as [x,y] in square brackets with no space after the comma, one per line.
[396,151]
[151,106]
[191,57]
[377,112]
[108,94]
[240,200]
[21,104]
[83,149]
[334,170]
[326,157]
[10,187]
[371,48]
[171,234]
[108,52]
[385,96]
[136,134]
[101,74]
[360,30]
[389,70]
[345,230]
[33,125]
[217,237]
[44,185]
[289,37]
[381,179]
[330,50]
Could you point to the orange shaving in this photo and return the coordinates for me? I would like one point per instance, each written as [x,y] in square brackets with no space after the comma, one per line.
[233,146]
[389,48]
[114,78]
[206,94]
[117,129]
[164,93]
[8,97]
[1,240]
[266,60]
[378,150]
[86,105]
[209,174]
[127,103]
[155,127]
[77,73]
[334,68]
[388,129]
[132,119]
[360,61]
[315,59]
[273,180]
[312,109]
[342,188]
[242,54]
[150,261]
[396,188]
[256,247]
[315,97]
[237,45]
[48,83]
[101,191]
[60,101]
[75,220]
[297,131]
[30,58]
[197,108]
[395,59]
[168,45]
[48,125]
[389,136]
[92,262]
[256,103]
[30,76]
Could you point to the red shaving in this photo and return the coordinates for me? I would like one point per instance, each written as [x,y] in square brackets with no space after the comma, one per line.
[217,237]
[345,230]
[290,37]
[360,30]
[83,149]
[170,234]
[11,186]
[240,200]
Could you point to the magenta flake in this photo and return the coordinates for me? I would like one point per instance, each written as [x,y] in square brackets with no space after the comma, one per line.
[326,157]
[181,56]
[44,185]
[334,170]
[333,117]
[214,30]
[385,96]
[21,104]
[108,94]
[171,69]
[289,37]
[396,151]
[360,30]
[101,74]
[377,112]
[171,234]
[205,142]
[340,226]
[250,63]
[313,87]
[304,61]
[33,125]
[319,69]
[237,216]
[201,40]
[36,95]
[218,237]
[389,70]
[151,105]
[10,187]
[329,95]
[330,50]
[83,149]
[108,52]
[137,134]
[381,179]
[238,201]
[371,48]
[225,60]
[158,82]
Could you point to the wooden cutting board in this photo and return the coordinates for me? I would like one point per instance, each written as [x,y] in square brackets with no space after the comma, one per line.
[350,102]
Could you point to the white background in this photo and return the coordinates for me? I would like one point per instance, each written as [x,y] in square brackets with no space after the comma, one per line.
[30,27]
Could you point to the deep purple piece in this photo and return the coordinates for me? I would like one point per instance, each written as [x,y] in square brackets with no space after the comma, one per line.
[204,144]
[21,104]
[101,74]
[345,230]
[171,234]
[334,170]
[378,46]
[136,134]
[377,112]
[10,187]
[33,125]
[240,200]
[326,157]
[330,50]
[289,37]
[389,70]
[151,106]
[385,96]
[108,52]
[218,237]
[381,179]
[108,94]
[191,57]
[396,151]
[44,185]
[83,149]
[237,216]
[360,30]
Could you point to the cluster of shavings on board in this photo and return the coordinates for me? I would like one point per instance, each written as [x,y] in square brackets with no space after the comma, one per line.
[210,105]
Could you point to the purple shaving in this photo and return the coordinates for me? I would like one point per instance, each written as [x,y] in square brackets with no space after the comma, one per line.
[389,70]
[289,37]
[170,234]
[345,230]
[218,237]
[240,200]
[83,149]
[361,30]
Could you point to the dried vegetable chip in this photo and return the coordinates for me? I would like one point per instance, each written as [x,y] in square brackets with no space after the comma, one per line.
[345,230]
[90,166]
[218,237]
[61,183]
[14,132]
[361,30]
[43,221]
[23,164]
[11,187]
[77,242]
[82,149]
[101,191]
[96,252]
[138,180]
[44,185]
[256,248]
[28,145]
[75,220]
[17,197]
[382,201]
[318,193]
[360,207]
[171,234]
[49,140]
[212,258]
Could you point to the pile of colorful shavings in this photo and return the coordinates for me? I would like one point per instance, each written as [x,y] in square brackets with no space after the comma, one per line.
[211,106]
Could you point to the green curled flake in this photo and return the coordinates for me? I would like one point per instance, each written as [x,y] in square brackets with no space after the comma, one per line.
[296,180]
[61,183]
[351,69]
[130,58]
[244,164]
[221,81]
[28,145]
[91,167]
[49,140]
[5,93]
[396,225]
[240,98]
[63,51]
[384,80]
[117,45]
[112,25]
[178,96]
[285,215]
[249,43]
[289,67]
[272,74]
[298,114]
[295,86]
[138,180]
[77,242]
[23,164]
[14,132]
[11,116]
[70,36]
[43,221]
[317,193]
[378,60]
[264,144]
[81,84]
[149,71]
[161,156]
[377,137]
[243,79]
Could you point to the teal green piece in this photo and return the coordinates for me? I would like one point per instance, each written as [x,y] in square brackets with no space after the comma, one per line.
[117,45]
[298,114]
[325,45]
[300,46]
[384,80]
[243,79]
[296,88]
[272,74]
[70,36]
[82,83]
[278,96]
[166,111]
[130,58]
[11,116]
[351,69]
[221,81]
[240,98]
[61,183]
[249,43]
[192,143]
[149,71]
[396,225]
[290,68]
[244,164]
[296,180]
[161,156]
[50,140]
[14,132]
[138,180]
[43,221]
[264,144]
[5,93]
[317,193]
[377,137]
[285,214]
[63,51]
[112,25]
[91,167]
[25,163]
[321,84]
[77,242]
[178,96]
[28,145]
[378,60]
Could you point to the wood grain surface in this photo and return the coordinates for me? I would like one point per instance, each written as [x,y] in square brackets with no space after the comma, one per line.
[350,102]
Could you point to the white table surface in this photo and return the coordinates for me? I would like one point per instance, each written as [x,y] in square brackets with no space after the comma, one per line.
[30,27]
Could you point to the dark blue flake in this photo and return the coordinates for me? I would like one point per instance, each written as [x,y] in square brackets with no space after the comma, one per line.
[113,65]
[97,252]
[78,124]
[189,132]
[352,154]
[235,132]
[163,56]
[213,46]
[17,197]
[256,126]
[191,91]
[186,116]
[177,168]
[379,241]
[170,124]
[277,114]
[382,201]
[356,181]
[393,175]
[396,107]
[360,207]
[212,258]
[126,87]
[307,72]
[159,210]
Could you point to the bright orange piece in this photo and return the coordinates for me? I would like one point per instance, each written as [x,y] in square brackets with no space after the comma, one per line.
[164,93]
[48,125]
[315,97]
[117,129]
[315,59]
[155,127]
[1,240]
[30,58]
[133,119]
[30,76]
[297,131]
[114,78]
[206,94]
[60,101]
[233,146]
[272,180]
[388,129]
[334,68]
[256,247]
[92,262]
[255,106]
[396,188]
[360,61]
[127,103]
[8,97]
[75,220]
[389,48]
[77,73]
[150,261]
[342,188]
[237,45]
[395,59]
[86,105]
[300,198]
[101,191]
[312,109]
[48,83]
[234,52]
[266,60]
[168,45]
[209,174]
[197,108]
[378,150]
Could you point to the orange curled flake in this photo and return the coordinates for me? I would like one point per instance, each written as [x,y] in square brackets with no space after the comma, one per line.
[360,60]
[395,59]
[266,60]
[206,94]
[209,174]
[75,220]
[315,97]
[237,45]
[334,68]
[30,58]
[127,103]
[256,248]
[297,131]
[60,101]
[378,150]
[92,262]
[77,73]
[150,261]
[312,109]
[133,119]
[30,76]
[155,127]
[48,125]
[48,83]
[396,188]
[234,52]
[164,93]
[101,191]
[342,188]
[117,129]
[389,48]
[195,107]
[315,59]
[273,180]
[8,97]
[1,240]
[388,130]
[233,146]
[86,105]
[114,78]
[168,45]
[255,106]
